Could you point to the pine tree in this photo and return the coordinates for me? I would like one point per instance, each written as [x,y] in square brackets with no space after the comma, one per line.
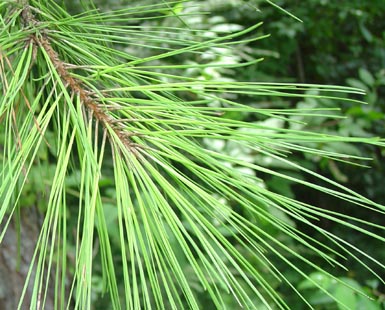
[97,132]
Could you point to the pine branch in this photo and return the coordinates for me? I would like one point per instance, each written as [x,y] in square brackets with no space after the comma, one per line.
[192,222]
[88,98]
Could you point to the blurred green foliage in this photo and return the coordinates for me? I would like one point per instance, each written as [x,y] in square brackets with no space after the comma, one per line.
[353,297]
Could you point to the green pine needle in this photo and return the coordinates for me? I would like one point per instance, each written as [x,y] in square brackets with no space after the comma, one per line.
[175,219]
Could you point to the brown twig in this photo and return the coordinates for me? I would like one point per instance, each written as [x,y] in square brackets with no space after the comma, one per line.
[76,87]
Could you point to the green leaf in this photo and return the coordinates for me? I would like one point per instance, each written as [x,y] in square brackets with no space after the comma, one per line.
[366,77]
[357,83]
[346,297]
